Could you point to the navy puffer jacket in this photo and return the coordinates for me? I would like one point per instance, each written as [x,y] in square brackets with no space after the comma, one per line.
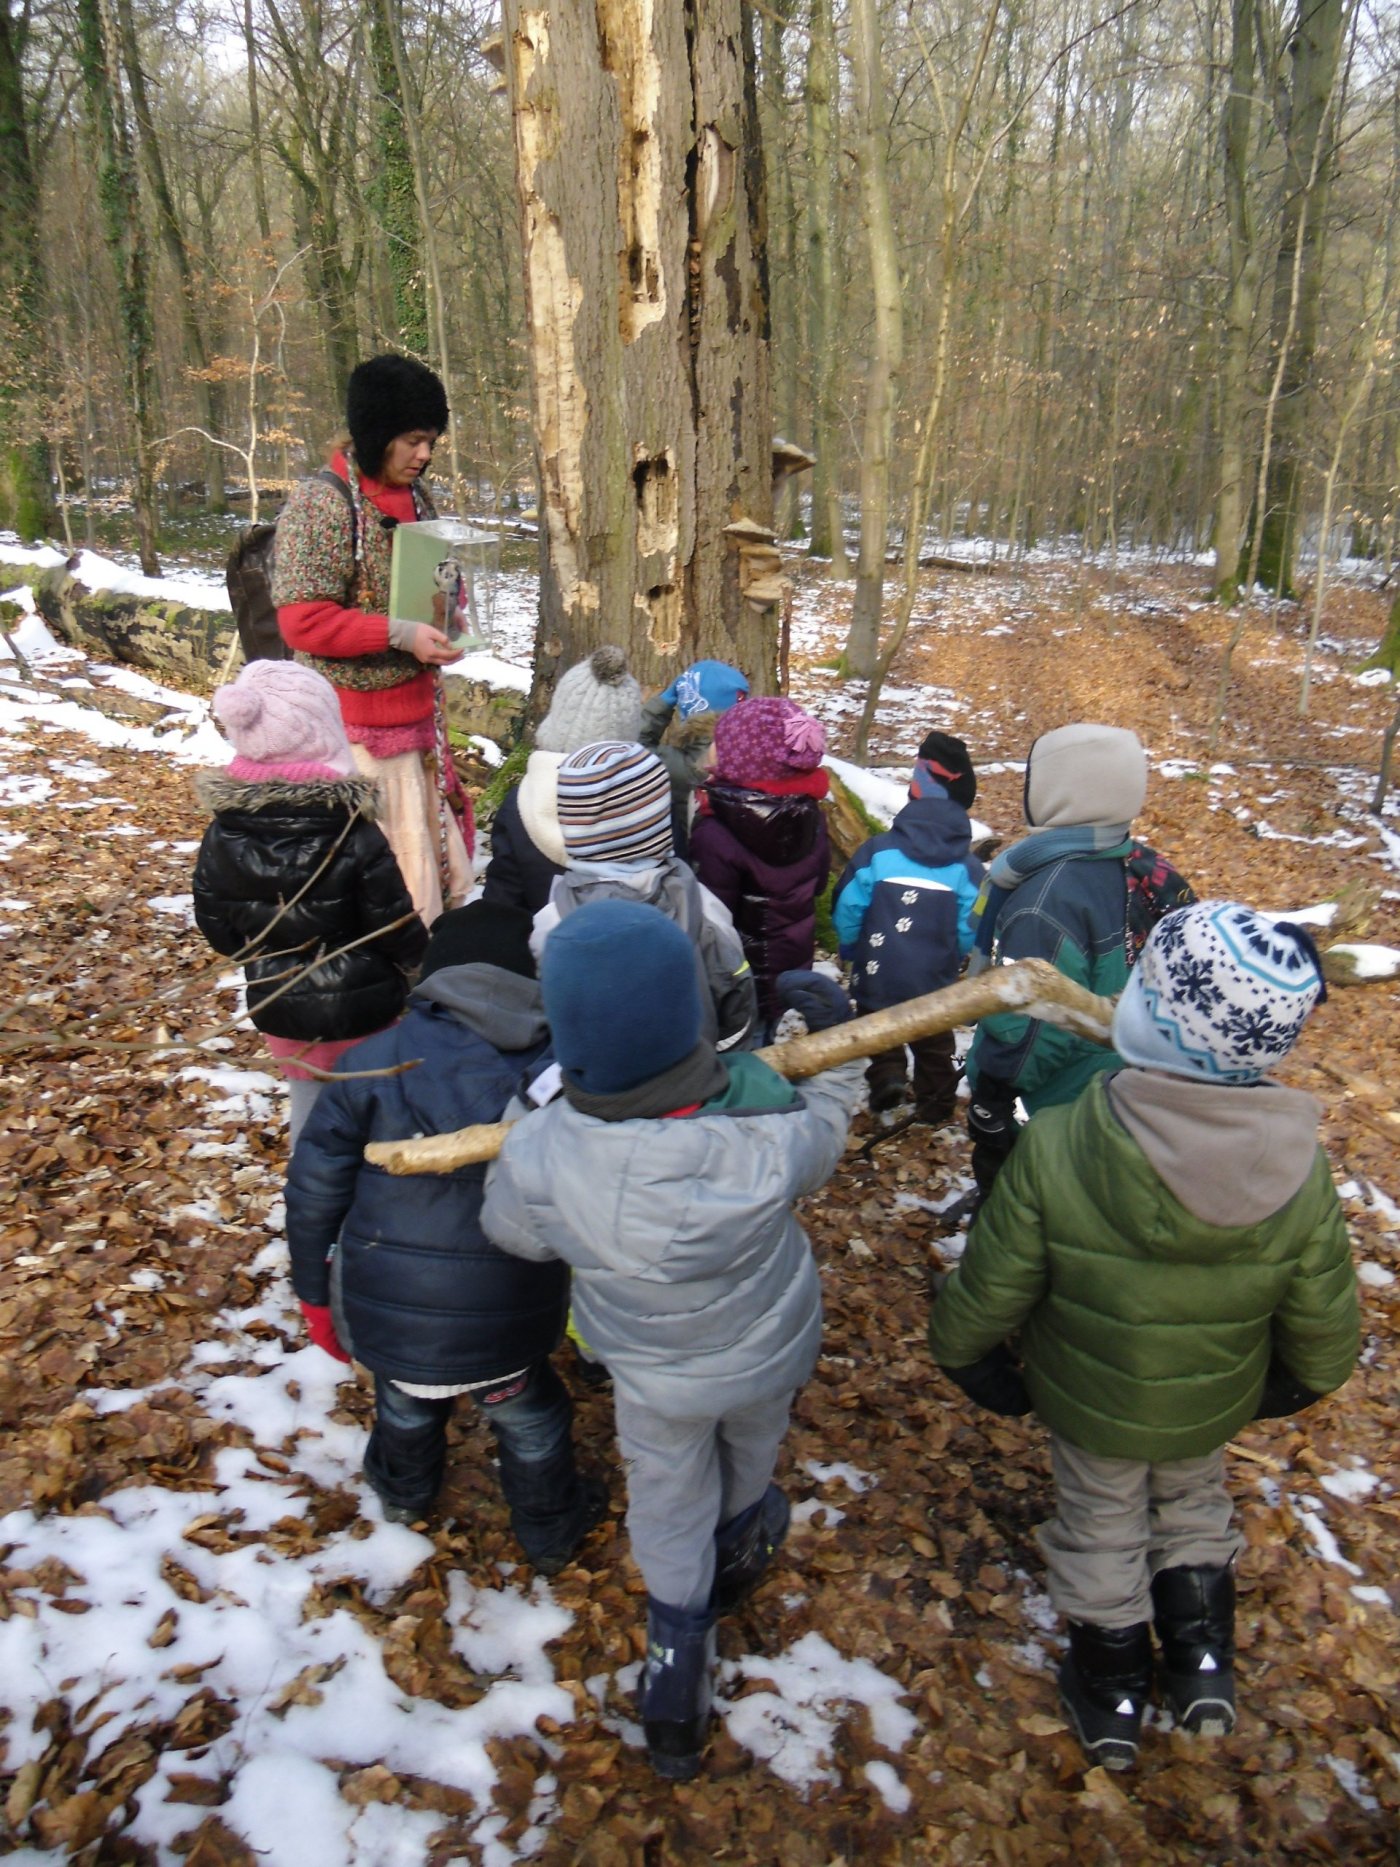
[427,1297]
[305,865]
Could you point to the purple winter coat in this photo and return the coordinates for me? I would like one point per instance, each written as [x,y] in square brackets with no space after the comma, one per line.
[767,858]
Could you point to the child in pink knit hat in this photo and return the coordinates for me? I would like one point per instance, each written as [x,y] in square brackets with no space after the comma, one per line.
[760,840]
[295,880]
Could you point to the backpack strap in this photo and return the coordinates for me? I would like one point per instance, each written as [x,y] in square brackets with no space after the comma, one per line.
[349,490]
[1154,888]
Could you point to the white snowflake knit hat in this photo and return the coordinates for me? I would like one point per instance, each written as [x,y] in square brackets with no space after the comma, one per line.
[1219,993]
[596,699]
[614,804]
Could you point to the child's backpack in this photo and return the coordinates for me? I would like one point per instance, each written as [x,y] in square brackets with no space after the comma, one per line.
[248,575]
[1154,889]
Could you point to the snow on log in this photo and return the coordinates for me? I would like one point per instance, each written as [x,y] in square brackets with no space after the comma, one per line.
[1031,987]
[1350,964]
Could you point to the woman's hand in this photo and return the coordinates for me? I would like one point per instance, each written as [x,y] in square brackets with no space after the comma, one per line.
[432,648]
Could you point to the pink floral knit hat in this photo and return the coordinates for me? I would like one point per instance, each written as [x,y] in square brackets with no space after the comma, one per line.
[766,740]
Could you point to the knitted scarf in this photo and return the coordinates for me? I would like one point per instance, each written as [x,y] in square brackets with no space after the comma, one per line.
[1027,858]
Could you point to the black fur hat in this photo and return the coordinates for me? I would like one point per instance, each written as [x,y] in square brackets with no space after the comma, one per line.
[388,396]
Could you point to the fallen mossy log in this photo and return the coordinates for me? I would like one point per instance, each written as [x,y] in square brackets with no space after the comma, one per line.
[1031,987]
[180,645]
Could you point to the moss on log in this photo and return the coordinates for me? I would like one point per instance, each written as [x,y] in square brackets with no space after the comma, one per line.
[181,646]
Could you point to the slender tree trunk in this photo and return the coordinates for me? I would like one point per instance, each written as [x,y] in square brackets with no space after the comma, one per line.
[887,348]
[255,148]
[823,306]
[428,234]
[126,241]
[1237,131]
[208,402]
[924,467]
[639,171]
[394,190]
[25,499]
[1310,144]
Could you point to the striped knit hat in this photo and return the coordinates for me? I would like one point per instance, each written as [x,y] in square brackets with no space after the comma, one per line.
[614,803]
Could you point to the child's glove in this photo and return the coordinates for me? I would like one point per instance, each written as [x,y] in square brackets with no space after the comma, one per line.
[322,1330]
[994,1382]
[820,1001]
[1283,1394]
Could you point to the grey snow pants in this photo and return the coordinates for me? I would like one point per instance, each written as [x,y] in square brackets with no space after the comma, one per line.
[684,1479]
[1118,1521]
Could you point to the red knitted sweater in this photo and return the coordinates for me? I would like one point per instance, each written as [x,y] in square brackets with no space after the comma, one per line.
[315,556]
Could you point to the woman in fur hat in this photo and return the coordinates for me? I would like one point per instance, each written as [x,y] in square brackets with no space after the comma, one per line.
[331,587]
[294,870]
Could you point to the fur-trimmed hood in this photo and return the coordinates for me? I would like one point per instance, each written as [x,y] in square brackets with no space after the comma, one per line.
[217,792]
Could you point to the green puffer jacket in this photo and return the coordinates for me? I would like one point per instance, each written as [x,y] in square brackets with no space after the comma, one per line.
[1146,1331]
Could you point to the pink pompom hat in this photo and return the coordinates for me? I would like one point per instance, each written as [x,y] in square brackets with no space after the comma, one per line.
[284,721]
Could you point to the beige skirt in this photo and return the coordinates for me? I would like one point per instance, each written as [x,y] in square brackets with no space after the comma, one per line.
[409,820]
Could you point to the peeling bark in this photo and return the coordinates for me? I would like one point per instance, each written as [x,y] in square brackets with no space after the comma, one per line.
[646,328]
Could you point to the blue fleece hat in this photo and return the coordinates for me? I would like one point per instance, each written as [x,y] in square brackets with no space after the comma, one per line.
[707,687]
[621,995]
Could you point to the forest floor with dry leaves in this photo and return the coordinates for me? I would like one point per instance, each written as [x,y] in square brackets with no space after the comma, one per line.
[140,1235]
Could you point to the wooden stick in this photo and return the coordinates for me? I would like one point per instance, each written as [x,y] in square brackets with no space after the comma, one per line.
[1031,988]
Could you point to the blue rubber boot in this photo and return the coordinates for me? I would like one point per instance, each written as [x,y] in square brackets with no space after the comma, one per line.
[745,1546]
[675,1692]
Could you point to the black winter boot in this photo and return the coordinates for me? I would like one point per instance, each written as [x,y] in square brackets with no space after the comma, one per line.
[745,1546]
[553,1506]
[1195,1614]
[675,1690]
[404,1464]
[1105,1679]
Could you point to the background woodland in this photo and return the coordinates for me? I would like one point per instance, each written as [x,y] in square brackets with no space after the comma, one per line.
[1118,273]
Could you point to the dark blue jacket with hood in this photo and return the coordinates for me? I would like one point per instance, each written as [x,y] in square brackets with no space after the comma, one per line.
[427,1298]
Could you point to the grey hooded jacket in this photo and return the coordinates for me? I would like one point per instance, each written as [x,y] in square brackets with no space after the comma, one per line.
[693,1281]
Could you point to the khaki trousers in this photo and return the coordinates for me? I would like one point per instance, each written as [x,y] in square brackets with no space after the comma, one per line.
[1118,1521]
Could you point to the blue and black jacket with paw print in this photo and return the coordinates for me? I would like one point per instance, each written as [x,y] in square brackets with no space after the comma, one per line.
[903,906]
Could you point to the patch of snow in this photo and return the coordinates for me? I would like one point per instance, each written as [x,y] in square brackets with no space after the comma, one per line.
[850,1475]
[491,670]
[1373,1597]
[810,1508]
[180,906]
[1374,1276]
[20,788]
[1373,677]
[1349,1485]
[894,1793]
[1352,1781]
[1383,1204]
[1371,962]
[793,1727]
[1322,915]
[1324,1543]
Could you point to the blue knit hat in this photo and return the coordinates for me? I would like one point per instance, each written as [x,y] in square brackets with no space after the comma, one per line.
[621,995]
[1219,993]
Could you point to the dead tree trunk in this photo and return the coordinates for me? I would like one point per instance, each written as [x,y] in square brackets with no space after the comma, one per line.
[640,179]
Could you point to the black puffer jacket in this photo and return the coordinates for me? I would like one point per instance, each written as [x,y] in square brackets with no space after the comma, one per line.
[268,843]
[426,1296]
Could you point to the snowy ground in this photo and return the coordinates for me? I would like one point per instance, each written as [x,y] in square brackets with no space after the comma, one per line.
[267,1584]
